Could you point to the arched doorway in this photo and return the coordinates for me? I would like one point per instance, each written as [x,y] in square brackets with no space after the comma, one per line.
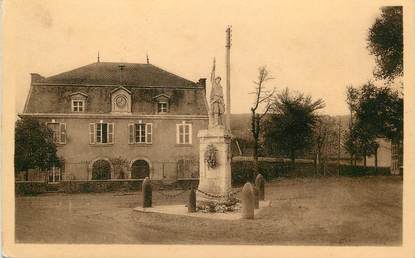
[140,169]
[101,170]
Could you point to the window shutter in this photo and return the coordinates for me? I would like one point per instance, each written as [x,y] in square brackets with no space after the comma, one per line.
[92,131]
[190,134]
[149,133]
[62,130]
[111,133]
[178,133]
[131,133]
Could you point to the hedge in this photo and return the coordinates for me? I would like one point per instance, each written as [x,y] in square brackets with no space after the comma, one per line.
[30,188]
[242,171]
[98,186]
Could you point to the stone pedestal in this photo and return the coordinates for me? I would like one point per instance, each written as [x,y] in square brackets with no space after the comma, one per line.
[214,180]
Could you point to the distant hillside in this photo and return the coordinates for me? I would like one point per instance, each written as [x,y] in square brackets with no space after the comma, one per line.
[241,125]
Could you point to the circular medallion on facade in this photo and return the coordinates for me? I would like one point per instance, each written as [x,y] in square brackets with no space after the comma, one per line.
[121,101]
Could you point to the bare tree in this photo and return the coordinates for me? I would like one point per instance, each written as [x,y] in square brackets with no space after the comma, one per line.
[263,99]
[325,142]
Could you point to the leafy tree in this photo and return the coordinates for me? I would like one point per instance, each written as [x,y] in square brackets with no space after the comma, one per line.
[34,147]
[385,42]
[365,142]
[289,129]
[378,114]
[381,110]
[351,140]
[262,97]
[350,144]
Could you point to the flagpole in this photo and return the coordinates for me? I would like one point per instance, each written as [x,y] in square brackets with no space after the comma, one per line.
[228,78]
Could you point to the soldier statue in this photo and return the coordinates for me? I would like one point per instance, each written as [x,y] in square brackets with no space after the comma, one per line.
[217,105]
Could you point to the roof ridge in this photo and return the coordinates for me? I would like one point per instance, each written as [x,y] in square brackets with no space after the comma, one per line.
[104,73]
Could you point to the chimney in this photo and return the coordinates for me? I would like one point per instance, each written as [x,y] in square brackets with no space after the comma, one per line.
[202,82]
[35,77]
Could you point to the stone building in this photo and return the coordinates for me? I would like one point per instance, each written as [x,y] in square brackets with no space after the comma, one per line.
[120,121]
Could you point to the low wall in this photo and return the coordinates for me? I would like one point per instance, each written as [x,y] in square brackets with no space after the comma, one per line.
[98,186]
[241,173]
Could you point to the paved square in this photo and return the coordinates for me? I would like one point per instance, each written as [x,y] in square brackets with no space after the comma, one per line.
[310,211]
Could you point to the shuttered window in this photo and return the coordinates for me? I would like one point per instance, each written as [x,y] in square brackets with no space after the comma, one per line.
[184,133]
[149,133]
[59,132]
[140,133]
[130,133]
[62,127]
[92,130]
[111,133]
[101,133]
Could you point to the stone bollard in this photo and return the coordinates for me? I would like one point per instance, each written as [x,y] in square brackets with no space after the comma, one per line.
[256,199]
[248,199]
[147,193]
[191,206]
[260,184]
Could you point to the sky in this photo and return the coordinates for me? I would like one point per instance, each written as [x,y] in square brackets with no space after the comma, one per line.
[317,48]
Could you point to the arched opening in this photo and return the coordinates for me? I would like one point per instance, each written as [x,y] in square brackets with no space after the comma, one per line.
[140,169]
[101,170]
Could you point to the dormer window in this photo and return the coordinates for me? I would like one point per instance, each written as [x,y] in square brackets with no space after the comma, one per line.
[78,102]
[161,103]
[162,107]
[78,105]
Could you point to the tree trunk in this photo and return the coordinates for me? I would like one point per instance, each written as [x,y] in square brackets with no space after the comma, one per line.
[376,161]
[364,161]
[315,165]
[256,165]
[255,134]
[292,157]
[320,164]
[26,175]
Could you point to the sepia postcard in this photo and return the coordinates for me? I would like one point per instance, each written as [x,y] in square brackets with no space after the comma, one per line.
[148,128]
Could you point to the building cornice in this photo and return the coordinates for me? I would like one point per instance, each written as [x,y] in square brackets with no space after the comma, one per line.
[115,85]
[112,116]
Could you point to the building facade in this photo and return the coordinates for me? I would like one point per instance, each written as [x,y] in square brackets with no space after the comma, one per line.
[120,121]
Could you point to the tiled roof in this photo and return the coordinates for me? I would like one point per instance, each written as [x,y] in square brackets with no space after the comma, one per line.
[99,80]
[57,99]
[108,73]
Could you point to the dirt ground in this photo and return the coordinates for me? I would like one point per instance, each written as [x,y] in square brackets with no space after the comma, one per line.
[324,211]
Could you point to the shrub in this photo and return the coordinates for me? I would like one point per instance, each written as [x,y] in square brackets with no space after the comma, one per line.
[242,171]
[346,170]
[30,188]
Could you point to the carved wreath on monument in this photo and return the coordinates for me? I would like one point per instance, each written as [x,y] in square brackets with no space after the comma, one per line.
[210,156]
